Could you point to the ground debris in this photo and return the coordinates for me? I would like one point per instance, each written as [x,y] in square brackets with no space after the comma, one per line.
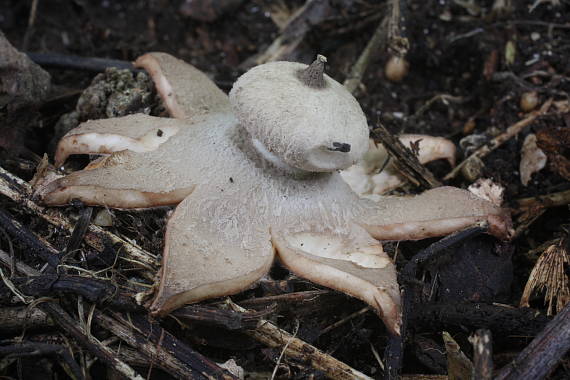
[475,69]
[549,276]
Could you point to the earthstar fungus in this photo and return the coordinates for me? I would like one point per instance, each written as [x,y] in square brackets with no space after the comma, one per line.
[256,175]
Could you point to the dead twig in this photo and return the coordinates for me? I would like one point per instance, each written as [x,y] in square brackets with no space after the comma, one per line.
[20,192]
[387,34]
[72,62]
[405,159]
[499,319]
[398,44]
[526,219]
[458,364]
[31,22]
[482,355]
[228,319]
[312,13]
[94,290]
[444,98]
[18,318]
[511,131]
[561,198]
[174,356]
[287,298]
[542,355]
[354,77]
[71,327]
[509,75]
[345,319]
[27,238]
[272,336]
[189,365]
[79,230]
[276,367]
[33,349]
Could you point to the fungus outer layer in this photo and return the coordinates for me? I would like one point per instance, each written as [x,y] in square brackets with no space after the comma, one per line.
[257,184]
[300,123]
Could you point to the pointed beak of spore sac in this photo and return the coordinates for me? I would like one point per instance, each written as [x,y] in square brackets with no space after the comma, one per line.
[340,147]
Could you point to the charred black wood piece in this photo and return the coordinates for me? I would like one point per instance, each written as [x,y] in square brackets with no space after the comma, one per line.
[73,62]
[24,237]
[94,290]
[36,349]
[228,319]
[394,353]
[501,320]
[174,356]
[79,230]
[542,355]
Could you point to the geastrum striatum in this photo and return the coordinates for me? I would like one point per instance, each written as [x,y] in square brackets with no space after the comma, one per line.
[256,175]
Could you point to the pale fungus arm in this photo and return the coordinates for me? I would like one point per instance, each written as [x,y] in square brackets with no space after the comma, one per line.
[186,91]
[212,249]
[138,133]
[375,174]
[430,148]
[436,212]
[124,179]
[348,260]
[138,174]
[128,179]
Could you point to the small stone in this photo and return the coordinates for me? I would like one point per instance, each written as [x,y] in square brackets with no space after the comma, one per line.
[396,69]
[473,169]
[529,101]
[104,218]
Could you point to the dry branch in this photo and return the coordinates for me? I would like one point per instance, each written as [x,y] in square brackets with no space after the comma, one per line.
[511,132]
[71,327]
[549,200]
[542,355]
[405,160]
[354,77]
[482,355]
[13,228]
[272,336]
[93,290]
[160,346]
[312,13]
[190,365]
[501,320]
[17,318]
[228,319]
[387,34]
[32,349]
[21,192]
[72,62]
[458,364]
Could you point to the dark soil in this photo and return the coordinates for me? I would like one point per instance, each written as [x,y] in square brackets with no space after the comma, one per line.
[483,61]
